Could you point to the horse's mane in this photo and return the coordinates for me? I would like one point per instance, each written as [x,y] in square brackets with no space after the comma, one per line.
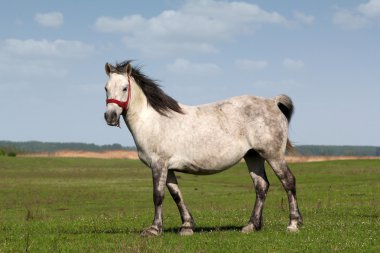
[156,97]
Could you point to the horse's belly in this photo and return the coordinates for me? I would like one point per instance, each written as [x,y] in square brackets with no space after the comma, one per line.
[205,165]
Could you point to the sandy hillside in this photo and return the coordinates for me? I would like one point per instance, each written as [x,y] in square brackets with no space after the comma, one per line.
[88,154]
[123,154]
[302,159]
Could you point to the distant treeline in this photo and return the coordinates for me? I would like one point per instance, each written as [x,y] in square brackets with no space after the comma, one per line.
[308,150]
[37,146]
[320,150]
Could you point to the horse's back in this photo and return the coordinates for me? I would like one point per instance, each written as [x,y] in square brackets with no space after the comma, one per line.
[218,135]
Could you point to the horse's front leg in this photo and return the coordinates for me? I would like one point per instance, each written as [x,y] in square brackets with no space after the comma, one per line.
[159,181]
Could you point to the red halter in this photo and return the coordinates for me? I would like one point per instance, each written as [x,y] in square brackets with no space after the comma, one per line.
[123,105]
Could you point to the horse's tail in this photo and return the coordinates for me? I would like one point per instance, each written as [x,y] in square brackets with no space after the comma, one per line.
[285,104]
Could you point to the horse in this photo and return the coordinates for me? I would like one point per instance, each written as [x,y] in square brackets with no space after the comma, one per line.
[202,140]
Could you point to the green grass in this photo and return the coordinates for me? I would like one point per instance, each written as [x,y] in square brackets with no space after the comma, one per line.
[95,205]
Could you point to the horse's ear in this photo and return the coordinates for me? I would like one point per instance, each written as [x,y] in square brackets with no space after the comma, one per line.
[109,68]
[128,69]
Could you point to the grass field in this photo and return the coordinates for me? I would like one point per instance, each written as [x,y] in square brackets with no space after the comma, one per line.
[96,205]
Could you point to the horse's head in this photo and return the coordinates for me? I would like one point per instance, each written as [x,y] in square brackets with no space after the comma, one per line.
[118,92]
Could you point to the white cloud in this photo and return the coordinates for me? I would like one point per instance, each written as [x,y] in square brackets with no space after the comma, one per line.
[39,58]
[232,12]
[246,64]
[358,17]
[48,49]
[24,70]
[198,26]
[183,66]
[292,64]
[370,9]
[157,48]
[51,19]
[350,20]
[303,18]
[123,25]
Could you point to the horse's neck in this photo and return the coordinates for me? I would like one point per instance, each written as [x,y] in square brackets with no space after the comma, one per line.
[138,100]
[139,116]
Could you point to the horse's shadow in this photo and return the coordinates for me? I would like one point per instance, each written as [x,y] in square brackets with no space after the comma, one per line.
[207,229]
[173,230]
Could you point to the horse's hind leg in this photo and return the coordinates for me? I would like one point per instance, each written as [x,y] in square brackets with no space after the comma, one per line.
[289,183]
[187,220]
[256,169]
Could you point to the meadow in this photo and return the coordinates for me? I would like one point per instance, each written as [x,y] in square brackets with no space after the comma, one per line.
[102,205]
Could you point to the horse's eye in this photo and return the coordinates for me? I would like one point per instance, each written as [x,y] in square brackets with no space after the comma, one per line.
[105,89]
[125,89]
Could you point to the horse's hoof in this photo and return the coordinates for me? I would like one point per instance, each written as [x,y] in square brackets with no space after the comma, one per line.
[247,229]
[186,231]
[292,228]
[150,232]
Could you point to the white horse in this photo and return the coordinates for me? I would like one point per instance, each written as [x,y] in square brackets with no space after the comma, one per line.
[202,140]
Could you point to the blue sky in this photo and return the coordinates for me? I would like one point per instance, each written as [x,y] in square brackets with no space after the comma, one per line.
[323,54]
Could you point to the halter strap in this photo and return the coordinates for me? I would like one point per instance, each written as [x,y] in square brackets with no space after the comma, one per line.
[123,105]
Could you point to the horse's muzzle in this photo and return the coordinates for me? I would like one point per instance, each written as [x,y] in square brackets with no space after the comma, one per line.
[111,118]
